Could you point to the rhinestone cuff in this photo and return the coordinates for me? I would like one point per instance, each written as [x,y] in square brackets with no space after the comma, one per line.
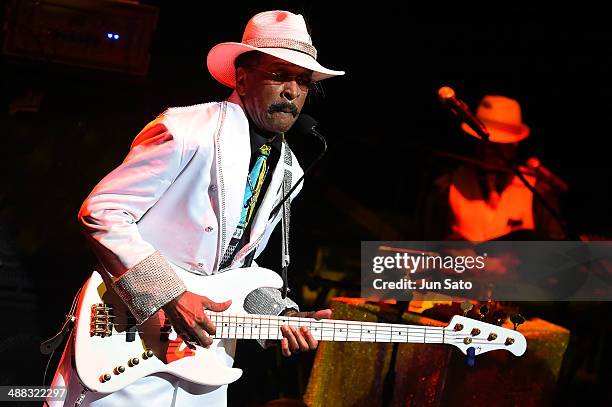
[267,301]
[148,286]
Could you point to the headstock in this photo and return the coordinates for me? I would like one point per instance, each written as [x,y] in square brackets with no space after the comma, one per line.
[466,333]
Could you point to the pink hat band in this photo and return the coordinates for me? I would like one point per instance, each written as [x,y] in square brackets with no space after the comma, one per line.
[286,43]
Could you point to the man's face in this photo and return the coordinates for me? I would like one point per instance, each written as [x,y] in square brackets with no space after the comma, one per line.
[273,92]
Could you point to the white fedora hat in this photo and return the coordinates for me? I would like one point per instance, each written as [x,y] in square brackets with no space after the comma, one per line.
[278,33]
[502,116]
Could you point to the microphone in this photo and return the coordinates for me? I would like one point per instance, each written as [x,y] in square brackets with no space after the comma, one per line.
[545,174]
[305,124]
[460,109]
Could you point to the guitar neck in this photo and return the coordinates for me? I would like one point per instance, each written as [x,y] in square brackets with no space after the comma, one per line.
[250,326]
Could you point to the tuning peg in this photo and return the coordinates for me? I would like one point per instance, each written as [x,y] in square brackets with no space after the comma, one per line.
[471,356]
[466,307]
[484,310]
[517,319]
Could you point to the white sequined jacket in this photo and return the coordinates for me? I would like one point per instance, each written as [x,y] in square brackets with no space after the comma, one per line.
[176,200]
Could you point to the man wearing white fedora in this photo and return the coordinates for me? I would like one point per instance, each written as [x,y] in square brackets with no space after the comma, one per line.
[483,200]
[197,190]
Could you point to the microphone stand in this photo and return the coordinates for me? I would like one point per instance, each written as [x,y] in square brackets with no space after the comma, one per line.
[284,274]
[249,259]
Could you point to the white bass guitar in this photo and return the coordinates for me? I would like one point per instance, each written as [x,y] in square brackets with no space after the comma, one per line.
[111,351]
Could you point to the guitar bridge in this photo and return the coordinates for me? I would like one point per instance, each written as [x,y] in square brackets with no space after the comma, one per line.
[101,320]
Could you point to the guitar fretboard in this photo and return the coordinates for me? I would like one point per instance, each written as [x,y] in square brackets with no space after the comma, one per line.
[247,326]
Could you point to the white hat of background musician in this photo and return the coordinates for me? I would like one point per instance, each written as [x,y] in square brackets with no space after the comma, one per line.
[502,117]
[278,33]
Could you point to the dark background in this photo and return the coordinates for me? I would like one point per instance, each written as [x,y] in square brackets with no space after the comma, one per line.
[382,121]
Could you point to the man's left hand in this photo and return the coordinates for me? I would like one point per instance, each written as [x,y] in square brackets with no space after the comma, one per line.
[300,339]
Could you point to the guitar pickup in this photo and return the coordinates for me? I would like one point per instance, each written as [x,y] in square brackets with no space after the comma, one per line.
[130,332]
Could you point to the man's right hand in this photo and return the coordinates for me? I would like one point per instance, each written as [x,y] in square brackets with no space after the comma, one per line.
[186,313]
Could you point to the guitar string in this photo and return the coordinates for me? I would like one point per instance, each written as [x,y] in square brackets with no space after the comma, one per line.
[325,325]
[451,335]
[457,341]
[454,341]
[381,329]
[385,337]
[331,327]
[303,320]
[429,335]
[236,335]
[322,326]
[240,320]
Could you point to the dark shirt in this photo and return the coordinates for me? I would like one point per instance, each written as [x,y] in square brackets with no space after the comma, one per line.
[257,140]
[435,218]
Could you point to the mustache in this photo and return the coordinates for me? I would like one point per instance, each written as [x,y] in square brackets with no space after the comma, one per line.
[284,107]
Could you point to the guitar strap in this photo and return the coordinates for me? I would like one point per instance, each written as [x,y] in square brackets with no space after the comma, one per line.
[287,178]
